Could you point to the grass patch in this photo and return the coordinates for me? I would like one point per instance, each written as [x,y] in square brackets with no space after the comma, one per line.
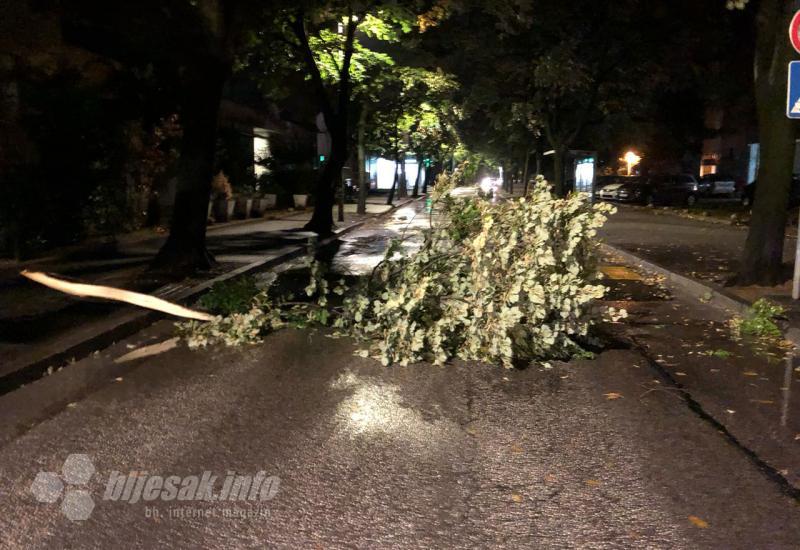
[231,296]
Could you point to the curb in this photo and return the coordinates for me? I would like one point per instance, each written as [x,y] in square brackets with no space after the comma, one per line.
[130,322]
[708,293]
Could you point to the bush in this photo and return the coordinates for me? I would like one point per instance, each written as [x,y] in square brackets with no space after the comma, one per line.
[221,187]
[759,321]
[231,296]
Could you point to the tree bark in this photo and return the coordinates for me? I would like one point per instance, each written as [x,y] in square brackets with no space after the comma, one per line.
[363,183]
[185,249]
[762,260]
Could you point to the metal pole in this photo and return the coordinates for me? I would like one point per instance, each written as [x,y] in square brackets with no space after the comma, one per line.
[796,280]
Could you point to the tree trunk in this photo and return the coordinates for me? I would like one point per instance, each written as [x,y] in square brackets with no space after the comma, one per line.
[403,189]
[394,186]
[525,172]
[396,164]
[185,249]
[763,254]
[429,175]
[415,193]
[363,183]
[340,199]
[559,187]
[321,221]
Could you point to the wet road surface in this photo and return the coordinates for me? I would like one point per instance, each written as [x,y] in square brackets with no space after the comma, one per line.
[705,250]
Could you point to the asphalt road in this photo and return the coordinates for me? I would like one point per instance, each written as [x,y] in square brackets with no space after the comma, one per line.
[705,250]
[587,454]
[464,456]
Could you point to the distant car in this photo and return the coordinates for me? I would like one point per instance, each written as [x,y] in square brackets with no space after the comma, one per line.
[652,190]
[671,189]
[618,188]
[749,193]
[717,186]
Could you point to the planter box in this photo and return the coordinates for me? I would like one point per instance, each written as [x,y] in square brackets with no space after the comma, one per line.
[223,209]
[269,201]
[260,206]
[243,208]
[300,201]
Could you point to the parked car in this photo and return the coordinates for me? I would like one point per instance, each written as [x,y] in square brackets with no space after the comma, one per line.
[717,186]
[672,189]
[618,188]
[652,190]
[749,193]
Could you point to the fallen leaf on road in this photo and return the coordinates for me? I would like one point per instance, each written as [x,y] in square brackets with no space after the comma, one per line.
[698,522]
[516,498]
[118,379]
[749,373]
[516,448]
[148,351]
[729,411]
[592,482]
[612,395]
[680,374]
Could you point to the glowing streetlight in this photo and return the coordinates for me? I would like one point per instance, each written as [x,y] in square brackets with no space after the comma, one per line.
[631,159]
